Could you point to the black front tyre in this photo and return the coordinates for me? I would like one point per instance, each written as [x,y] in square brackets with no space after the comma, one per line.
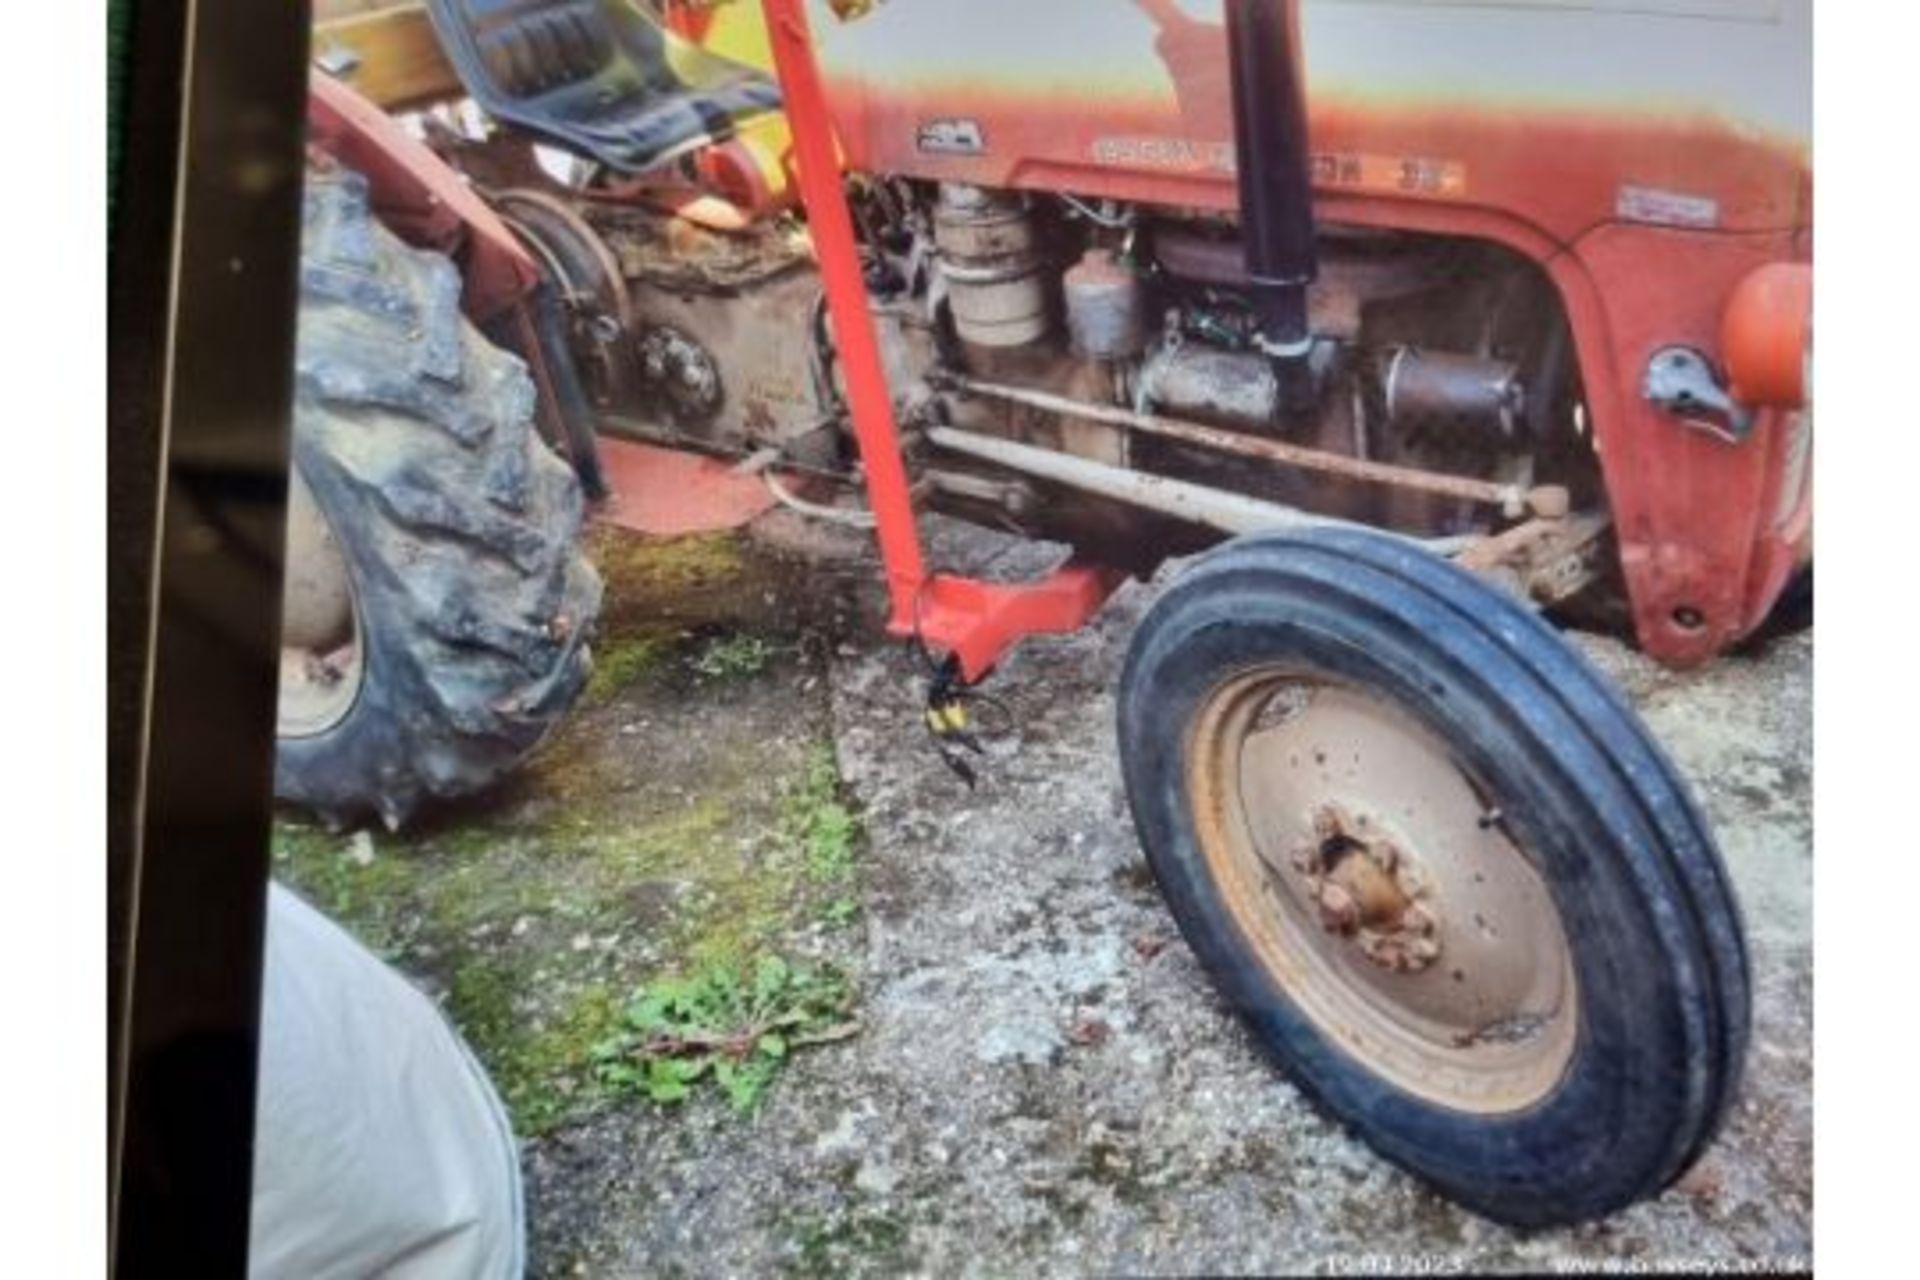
[1441,869]
[439,609]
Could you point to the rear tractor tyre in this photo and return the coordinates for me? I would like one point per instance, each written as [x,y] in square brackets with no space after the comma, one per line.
[438,606]
[1441,869]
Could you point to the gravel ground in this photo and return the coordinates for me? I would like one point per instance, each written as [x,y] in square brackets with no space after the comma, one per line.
[1046,1083]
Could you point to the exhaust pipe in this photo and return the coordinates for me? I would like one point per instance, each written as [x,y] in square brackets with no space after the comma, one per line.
[1274,166]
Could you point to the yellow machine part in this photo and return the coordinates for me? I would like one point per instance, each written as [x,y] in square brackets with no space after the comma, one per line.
[737,30]
[388,51]
[731,28]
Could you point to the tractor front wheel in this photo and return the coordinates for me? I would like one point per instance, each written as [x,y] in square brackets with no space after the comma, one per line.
[1441,868]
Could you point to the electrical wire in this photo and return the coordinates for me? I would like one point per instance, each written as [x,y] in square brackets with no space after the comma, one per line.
[1113,222]
[852,519]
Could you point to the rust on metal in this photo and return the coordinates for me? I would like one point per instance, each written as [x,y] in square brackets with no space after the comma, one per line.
[1381,889]
[1368,890]
[610,278]
[1544,559]
[1509,498]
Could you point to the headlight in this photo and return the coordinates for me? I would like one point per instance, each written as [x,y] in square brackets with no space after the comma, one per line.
[1766,336]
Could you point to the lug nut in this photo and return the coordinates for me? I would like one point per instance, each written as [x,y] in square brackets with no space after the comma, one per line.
[1338,911]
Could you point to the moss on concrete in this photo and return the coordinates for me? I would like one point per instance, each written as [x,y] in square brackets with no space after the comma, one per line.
[621,658]
[530,934]
[632,563]
[372,896]
[669,826]
[540,1060]
[687,815]
[532,942]
[859,1239]
[654,580]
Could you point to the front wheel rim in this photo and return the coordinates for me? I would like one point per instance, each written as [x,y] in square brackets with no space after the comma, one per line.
[1379,888]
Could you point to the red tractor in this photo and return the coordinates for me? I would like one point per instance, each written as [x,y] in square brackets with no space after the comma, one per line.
[1440,318]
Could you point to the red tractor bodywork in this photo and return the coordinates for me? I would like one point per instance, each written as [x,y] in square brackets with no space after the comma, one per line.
[974,621]
[427,203]
[421,199]
[1649,181]
[1649,158]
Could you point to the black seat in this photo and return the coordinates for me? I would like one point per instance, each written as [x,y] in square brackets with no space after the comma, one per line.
[599,77]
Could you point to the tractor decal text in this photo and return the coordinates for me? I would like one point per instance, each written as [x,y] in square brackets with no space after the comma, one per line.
[961,137]
[1666,208]
[1403,175]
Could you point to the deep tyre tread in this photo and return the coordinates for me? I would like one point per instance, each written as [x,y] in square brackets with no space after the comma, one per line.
[1645,902]
[459,527]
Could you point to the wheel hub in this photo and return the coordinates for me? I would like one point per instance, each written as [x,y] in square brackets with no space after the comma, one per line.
[1382,889]
[1370,891]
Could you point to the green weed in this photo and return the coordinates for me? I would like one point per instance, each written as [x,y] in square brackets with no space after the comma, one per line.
[732,657]
[719,1026]
[825,828]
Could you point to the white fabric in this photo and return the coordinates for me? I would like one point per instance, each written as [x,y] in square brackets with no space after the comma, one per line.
[380,1146]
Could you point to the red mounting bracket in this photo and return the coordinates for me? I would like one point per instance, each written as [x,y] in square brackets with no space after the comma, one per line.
[975,621]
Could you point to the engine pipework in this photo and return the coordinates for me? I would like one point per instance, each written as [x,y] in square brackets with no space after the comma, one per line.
[1273,164]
